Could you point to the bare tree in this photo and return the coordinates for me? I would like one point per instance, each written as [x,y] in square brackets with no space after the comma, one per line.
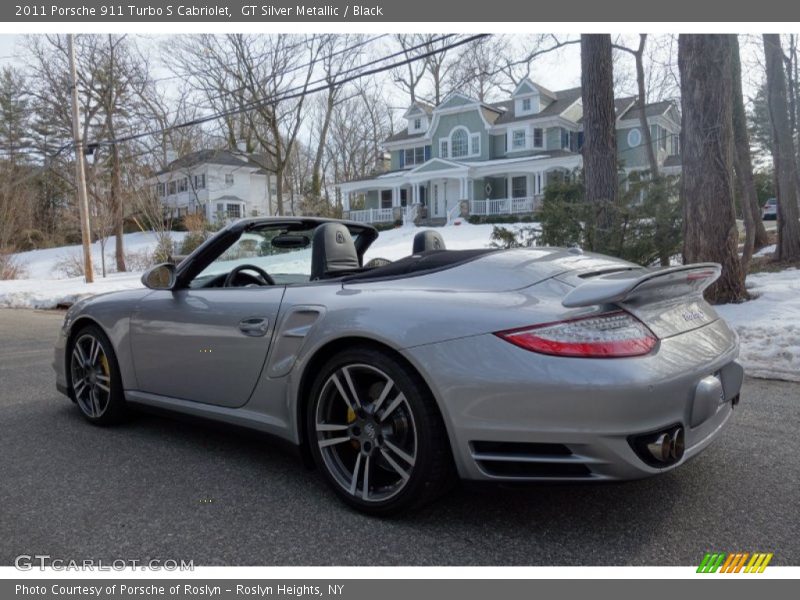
[600,140]
[709,224]
[336,60]
[783,154]
[408,77]
[638,56]
[755,233]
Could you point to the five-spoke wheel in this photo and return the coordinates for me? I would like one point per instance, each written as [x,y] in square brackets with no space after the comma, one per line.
[94,377]
[376,432]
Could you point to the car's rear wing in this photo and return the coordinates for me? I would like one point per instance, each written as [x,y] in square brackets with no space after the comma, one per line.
[653,285]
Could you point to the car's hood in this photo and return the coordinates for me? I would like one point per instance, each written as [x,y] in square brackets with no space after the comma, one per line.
[501,271]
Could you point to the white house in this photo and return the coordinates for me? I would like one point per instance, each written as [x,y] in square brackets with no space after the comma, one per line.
[220,184]
[470,157]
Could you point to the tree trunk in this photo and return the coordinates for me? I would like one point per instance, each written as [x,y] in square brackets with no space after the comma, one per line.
[600,139]
[640,84]
[316,177]
[743,165]
[709,219]
[788,247]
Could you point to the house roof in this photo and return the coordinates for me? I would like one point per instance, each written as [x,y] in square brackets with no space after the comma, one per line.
[259,161]
[403,135]
[563,100]
[653,109]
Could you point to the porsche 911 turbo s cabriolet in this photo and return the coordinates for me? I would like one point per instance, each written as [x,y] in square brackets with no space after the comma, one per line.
[536,364]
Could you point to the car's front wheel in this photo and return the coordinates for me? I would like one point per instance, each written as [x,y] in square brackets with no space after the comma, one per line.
[376,433]
[94,378]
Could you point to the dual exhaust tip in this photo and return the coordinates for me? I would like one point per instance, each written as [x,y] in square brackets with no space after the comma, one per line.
[662,448]
[668,447]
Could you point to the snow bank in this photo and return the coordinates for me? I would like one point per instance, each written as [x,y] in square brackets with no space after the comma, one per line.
[769,326]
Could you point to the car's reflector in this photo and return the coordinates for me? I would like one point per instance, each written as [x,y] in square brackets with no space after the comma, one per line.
[608,335]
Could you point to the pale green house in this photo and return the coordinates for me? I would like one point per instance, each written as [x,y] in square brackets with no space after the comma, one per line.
[469,157]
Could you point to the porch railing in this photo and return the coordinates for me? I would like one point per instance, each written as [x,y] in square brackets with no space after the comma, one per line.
[505,206]
[372,215]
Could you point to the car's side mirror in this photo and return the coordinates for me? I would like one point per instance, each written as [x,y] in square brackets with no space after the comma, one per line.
[160,277]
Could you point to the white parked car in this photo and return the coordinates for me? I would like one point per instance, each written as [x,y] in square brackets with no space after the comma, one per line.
[770,210]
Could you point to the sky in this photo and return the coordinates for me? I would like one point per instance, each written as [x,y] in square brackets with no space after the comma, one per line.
[557,70]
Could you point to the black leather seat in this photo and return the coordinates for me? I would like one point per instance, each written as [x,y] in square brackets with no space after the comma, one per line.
[333,252]
[427,240]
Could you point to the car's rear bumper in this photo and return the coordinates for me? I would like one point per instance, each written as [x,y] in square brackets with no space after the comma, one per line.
[515,415]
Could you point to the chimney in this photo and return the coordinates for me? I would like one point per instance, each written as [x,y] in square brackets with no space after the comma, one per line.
[171,156]
[241,146]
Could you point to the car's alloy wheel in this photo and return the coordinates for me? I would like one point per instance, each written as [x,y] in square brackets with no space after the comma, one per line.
[377,434]
[94,377]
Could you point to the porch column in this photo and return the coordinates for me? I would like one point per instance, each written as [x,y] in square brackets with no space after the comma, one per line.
[346,201]
[470,189]
[396,196]
[414,193]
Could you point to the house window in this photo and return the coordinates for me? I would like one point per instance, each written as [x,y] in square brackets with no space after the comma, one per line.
[161,190]
[417,124]
[386,198]
[234,211]
[518,139]
[183,184]
[228,178]
[172,187]
[526,104]
[519,186]
[538,137]
[564,139]
[413,156]
[459,141]
[662,138]
[200,181]
[403,197]
[475,144]
[443,149]
[634,137]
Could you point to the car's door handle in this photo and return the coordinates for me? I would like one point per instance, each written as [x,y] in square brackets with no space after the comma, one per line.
[254,326]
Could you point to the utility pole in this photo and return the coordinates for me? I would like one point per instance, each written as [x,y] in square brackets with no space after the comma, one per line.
[80,170]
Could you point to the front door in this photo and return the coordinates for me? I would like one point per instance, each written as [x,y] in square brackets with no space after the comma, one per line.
[206,345]
[439,199]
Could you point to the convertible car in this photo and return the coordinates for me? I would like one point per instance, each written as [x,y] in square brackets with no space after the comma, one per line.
[397,378]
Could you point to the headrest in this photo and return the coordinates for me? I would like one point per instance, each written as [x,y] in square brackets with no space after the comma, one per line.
[332,251]
[427,240]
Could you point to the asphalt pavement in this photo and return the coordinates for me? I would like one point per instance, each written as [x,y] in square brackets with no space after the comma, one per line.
[163,488]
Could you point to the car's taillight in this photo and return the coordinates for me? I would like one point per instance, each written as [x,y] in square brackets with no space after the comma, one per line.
[609,335]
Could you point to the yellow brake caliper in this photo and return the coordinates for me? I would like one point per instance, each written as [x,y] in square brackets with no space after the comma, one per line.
[351,417]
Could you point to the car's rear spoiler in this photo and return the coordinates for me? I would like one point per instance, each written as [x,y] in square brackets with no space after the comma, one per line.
[659,284]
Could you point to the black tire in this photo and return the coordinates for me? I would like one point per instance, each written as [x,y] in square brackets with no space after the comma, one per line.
[110,407]
[428,476]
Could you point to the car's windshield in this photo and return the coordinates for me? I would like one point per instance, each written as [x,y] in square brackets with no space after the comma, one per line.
[285,254]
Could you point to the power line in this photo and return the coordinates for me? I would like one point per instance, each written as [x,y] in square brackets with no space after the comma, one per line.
[274,100]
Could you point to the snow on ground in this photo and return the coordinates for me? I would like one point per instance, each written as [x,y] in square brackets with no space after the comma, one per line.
[768,327]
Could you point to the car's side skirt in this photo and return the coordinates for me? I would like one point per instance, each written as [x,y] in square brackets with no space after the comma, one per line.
[240,417]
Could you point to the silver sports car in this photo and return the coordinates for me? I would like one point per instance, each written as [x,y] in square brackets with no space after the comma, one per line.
[396,378]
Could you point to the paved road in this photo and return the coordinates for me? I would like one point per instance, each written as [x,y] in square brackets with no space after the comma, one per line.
[162,488]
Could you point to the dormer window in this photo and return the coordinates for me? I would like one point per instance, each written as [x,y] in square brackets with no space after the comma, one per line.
[417,124]
[528,105]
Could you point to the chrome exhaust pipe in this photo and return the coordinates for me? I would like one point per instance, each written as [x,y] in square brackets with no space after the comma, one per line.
[668,447]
